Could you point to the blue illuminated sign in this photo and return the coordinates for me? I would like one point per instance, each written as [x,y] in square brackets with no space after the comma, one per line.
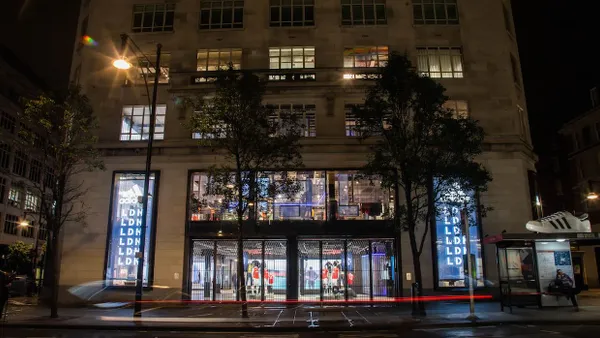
[125,234]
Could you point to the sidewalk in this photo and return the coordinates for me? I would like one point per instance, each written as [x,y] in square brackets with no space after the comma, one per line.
[297,318]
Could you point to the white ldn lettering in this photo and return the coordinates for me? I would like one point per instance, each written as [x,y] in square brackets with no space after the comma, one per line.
[128,261]
[129,251]
[140,212]
[138,232]
[121,253]
[448,252]
[129,241]
[122,232]
[138,222]
[447,230]
[123,222]
[456,230]
[456,240]
[458,260]
[137,241]
[131,222]
[121,241]
[457,250]
[449,261]
[120,261]
[448,241]
[130,232]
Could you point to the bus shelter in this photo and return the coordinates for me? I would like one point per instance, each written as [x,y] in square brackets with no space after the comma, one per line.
[527,264]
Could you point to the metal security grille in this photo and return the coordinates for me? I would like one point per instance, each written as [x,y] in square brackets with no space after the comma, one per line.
[202,270]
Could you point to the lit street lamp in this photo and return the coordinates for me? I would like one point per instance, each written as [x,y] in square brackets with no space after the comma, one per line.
[123,64]
[592,196]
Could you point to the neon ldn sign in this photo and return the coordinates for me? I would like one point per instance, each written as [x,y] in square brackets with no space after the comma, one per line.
[125,229]
[452,241]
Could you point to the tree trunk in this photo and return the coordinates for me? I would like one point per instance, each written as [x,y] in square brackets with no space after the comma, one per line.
[411,223]
[241,271]
[54,275]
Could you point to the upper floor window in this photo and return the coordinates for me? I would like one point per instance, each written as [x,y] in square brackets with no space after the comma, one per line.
[8,122]
[20,163]
[5,151]
[153,18]
[11,224]
[221,14]
[366,57]
[441,12]
[145,68]
[305,114]
[135,123]
[32,201]
[363,12]
[286,13]
[440,62]
[351,122]
[15,196]
[35,171]
[291,57]
[27,230]
[215,59]
[460,108]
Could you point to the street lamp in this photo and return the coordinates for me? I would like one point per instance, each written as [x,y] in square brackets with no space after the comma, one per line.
[592,196]
[123,64]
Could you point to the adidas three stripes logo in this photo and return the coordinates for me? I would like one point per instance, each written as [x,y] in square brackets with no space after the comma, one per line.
[560,223]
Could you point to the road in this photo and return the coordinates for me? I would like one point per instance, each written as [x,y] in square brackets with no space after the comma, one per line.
[516,331]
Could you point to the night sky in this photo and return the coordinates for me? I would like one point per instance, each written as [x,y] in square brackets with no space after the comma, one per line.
[556,43]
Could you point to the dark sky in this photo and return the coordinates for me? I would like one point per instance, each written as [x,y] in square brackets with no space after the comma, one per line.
[557,43]
[41,33]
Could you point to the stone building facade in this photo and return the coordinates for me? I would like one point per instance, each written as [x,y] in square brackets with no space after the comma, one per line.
[319,56]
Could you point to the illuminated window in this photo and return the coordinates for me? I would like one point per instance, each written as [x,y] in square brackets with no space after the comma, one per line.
[366,57]
[216,14]
[15,197]
[460,108]
[32,201]
[351,122]
[363,12]
[441,12]
[440,62]
[153,18]
[145,68]
[306,115]
[286,13]
[291,57]
[27,231]
[135,123]
[215,59]
[11,224]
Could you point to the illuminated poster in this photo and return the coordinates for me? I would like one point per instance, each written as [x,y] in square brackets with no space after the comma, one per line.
[451,242]
[125,229]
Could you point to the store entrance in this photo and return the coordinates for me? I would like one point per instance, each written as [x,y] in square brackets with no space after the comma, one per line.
[357,269]
[213,271]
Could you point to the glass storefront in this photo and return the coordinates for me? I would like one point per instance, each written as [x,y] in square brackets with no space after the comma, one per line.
[264,270]
[322,195]
[356,270]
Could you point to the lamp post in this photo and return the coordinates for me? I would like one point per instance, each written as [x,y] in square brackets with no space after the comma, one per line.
[122,63]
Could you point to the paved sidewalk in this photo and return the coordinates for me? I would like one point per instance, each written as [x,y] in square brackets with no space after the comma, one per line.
[293,318]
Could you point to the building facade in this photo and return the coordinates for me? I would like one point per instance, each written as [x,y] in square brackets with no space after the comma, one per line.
[19,197]
[318,57]
[581,140]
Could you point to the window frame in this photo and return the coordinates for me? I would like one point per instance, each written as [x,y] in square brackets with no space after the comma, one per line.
[304,7]
[351,125]
[420,6]
[457,112]
[303,112]
[145,68]
[277,59]
[5,155]
[20,163]
[206,6]
[348,6]
[15,197]
[11,226]
[378,62]
[8,122]
[453,54]
[221,64]
[168,11]
[161,112]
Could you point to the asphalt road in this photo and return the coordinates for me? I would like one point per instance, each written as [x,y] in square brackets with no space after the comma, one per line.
[517,331]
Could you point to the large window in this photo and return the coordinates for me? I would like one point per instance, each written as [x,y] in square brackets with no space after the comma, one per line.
[11,224]
[216,14]
[440,62]
[305,114]
[215,59]
[32,202]
[286,13]
[135,123]
[206,206]
[363,12]
[15,197]
[145,68]
[451,240]
[153,18]
[460,108]
[8,122]
[291,57]
[441,12]
[366,57]
[20,163]
[125,229]
[35,171]
[5,151]
[358,197]
[27,230]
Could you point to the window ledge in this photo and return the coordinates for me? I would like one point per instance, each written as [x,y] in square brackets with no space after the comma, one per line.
[364,26]
[208,30]
[293,27]
[152,33]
